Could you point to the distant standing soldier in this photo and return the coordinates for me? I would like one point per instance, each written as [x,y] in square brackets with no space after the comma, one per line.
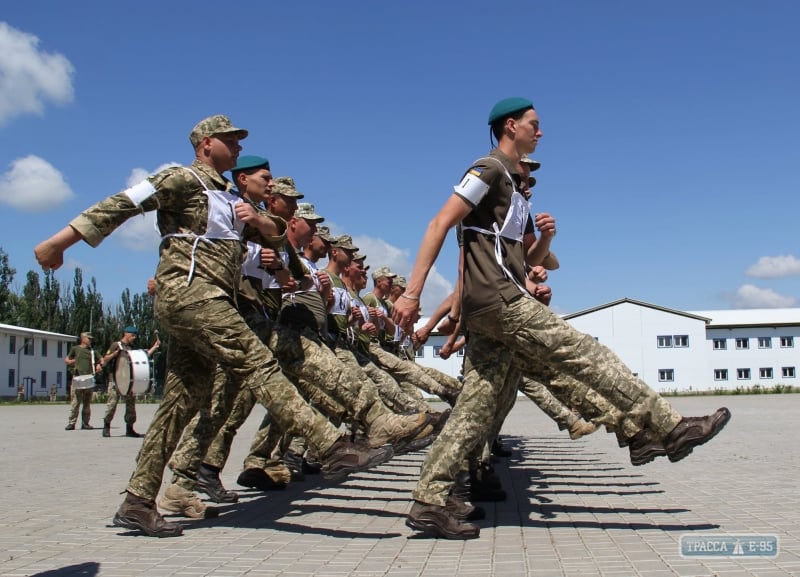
[84,361]
[112,356]
[53,393]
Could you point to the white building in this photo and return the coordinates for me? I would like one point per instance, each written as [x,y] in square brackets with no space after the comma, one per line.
[676,350]
[37,366]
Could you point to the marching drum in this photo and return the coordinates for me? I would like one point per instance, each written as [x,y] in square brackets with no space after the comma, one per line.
[132,376]
[80,382]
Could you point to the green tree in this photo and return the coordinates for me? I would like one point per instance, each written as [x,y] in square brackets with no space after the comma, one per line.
[8,299]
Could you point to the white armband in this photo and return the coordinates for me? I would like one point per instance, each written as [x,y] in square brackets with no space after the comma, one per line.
[140,192]
[471,187]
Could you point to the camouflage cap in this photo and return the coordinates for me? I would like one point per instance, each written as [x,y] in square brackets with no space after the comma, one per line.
[306,210]
[400,281]
[324,233]
[383,271]
[534,164]
[212,125]
[359,256]
[344,242]
[284,185]
[87,335]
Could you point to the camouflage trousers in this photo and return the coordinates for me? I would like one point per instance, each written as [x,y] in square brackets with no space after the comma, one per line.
[205,334]
[389,390]
[538,338]
[488,392]
[548,403]
[578,396]
[111,405]
[80,401]
[406,372]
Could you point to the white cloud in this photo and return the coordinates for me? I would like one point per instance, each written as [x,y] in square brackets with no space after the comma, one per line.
[752,297]
[29,76]
[139,233]
[775,267]
[33,185]
[380,253]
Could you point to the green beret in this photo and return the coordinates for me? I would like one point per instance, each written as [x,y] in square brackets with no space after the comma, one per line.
[250,161]
[509,106]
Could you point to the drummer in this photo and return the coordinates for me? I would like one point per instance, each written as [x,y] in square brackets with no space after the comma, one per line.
[110,362]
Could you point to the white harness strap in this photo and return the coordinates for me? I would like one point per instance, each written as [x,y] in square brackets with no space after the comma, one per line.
[513,226]
[222,222]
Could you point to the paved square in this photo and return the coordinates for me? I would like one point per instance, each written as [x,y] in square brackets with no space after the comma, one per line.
[574,507]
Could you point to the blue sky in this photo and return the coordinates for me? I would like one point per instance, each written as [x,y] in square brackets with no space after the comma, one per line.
[670,156]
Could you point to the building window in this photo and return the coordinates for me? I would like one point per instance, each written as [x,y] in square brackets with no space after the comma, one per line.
[664,341]
[44,347]
[60,349]
[43,382]
[420,353]
[765,372]
[666,375]
[436,350]
[742,343]
[29,347]
[12,345]
[742,374]
[59,379]
[681,340]
[764,342]
[787,342]
[720,344]
[787,372]
[720,374]
[12,377]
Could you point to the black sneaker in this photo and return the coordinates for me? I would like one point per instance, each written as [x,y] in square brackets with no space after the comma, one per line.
[208,482]
[440,522]
[692,432]
[141,514]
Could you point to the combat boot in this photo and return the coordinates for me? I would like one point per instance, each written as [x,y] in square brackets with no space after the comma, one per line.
[294,463]
[209,483]
[344,458]
[692,432]
[257,478]
[457,502]
[393,429]
[499,450]
[129,432]
[485,485]
[438,521]
[141,514]
[645,446]
[106,429]
[581,428]
[70,427]
[176,499]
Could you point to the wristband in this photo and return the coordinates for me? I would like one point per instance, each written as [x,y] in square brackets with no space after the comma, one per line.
[407,297]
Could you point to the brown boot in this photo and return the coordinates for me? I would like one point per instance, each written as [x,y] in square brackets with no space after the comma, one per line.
[440,522]
[141,514]
[344,458]
[176,499]
[645,446]
[692,432]
[581,428]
